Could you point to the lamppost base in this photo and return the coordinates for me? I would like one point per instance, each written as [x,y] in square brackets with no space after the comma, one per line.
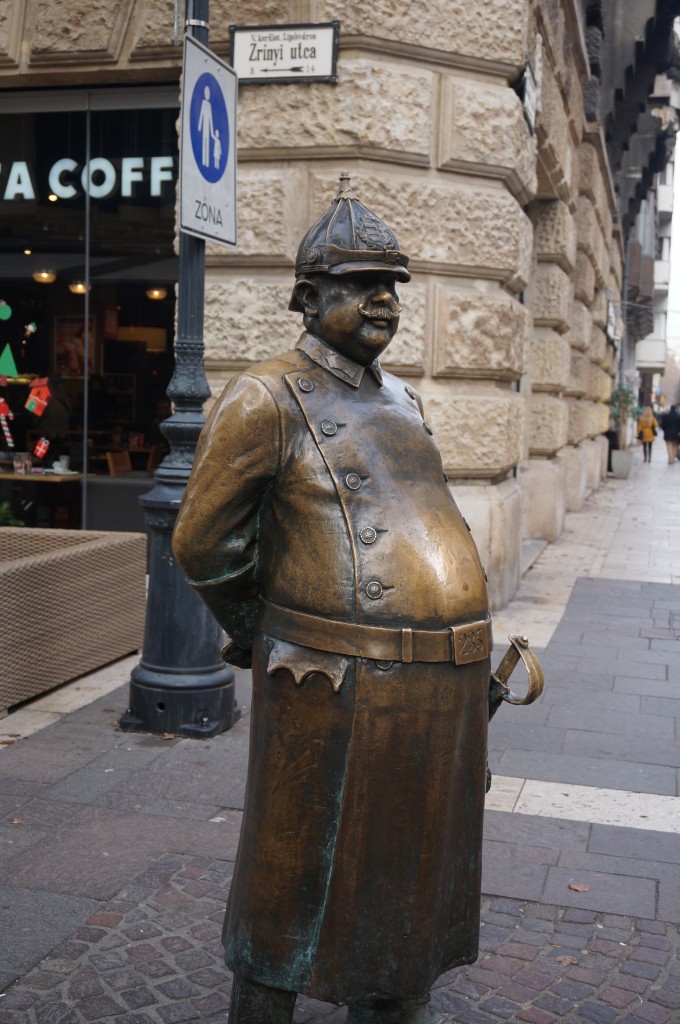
[200,707]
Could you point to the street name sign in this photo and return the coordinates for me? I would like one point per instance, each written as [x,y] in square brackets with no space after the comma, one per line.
[264,54]
[207,177]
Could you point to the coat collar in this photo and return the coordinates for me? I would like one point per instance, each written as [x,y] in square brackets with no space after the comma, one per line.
[340,366]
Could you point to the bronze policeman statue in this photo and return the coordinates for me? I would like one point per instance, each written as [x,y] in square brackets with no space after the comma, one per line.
[319,529]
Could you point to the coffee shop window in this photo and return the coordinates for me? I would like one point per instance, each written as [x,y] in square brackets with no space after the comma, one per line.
[87,297]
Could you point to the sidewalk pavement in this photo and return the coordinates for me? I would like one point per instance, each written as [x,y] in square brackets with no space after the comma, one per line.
[117,849]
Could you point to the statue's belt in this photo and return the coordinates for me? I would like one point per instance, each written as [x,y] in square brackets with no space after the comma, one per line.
[462,644]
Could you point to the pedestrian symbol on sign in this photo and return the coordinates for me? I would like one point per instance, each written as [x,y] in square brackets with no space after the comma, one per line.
[209,127]
[207,167]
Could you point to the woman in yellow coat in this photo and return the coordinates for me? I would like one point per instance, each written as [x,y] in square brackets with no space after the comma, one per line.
[647,431]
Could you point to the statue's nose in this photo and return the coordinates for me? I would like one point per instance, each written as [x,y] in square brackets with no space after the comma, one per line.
[382,297]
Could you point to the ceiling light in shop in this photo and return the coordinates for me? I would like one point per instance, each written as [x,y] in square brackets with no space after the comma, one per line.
[27,252]
[156,293]
[78,287]
[44,276]
[52,198]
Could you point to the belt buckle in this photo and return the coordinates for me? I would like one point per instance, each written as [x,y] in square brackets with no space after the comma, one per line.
[470,642]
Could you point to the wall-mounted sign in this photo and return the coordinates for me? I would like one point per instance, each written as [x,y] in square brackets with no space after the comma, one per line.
[285,53]
[208,146]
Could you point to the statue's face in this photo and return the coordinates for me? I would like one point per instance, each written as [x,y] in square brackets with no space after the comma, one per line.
[356,314]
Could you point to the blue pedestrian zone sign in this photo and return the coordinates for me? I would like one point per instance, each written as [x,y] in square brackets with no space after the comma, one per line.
[209,127]
[208,146]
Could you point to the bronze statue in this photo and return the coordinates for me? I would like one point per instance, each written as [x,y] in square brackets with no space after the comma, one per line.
[319,529]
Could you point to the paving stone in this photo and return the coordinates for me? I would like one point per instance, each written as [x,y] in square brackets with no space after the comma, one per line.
[502,1008]
[98,1007]
[138,997]
[36,922]
[606,892]
[639,970]
[598,1013]
[618,997]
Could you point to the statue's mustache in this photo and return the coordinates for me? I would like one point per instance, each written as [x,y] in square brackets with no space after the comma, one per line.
[390,312]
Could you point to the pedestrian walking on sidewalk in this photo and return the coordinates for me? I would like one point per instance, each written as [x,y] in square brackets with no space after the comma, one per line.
[670,424]
[648,427]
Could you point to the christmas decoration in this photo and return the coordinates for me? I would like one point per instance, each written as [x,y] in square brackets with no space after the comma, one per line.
[41,448]
[6,414]
[8,368]
[39,396]
[5,310]
[30,329]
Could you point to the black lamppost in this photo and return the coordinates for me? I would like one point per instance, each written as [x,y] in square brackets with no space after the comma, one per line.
[180,685]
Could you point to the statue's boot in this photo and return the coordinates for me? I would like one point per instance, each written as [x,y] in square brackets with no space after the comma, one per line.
[396,1011]
[259,1004]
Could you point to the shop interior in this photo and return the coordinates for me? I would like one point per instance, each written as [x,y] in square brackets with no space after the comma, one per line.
[87,311]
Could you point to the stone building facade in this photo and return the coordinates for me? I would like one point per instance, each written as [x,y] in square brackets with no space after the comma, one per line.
[511,228]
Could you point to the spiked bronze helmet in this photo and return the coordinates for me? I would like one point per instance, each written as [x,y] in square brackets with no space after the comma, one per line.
[348,239]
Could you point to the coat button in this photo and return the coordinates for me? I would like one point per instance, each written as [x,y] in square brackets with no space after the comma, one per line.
[353,481]
[305,384]
[374,590]
[328,427]
[368,535]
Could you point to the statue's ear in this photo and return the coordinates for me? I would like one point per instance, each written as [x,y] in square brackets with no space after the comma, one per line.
[305,296]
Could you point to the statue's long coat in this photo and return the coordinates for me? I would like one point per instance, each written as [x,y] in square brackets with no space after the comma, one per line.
[358,871]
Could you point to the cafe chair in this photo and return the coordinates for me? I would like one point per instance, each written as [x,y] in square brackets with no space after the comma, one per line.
[118,463]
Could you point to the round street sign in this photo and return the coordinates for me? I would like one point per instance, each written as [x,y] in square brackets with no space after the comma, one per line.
[208,146]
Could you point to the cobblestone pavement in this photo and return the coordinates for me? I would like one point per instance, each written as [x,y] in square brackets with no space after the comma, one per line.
[153,956]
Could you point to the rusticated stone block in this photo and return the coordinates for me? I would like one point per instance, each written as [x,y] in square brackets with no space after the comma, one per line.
[264,228]
[600,257]
[406,353]
[604,416]
[587,227]
[616,263]
[589,172]
[554,233]
[549,361]
[548,424]
[480,434]
[479,334]
[592,416]
[474,230]
[86,27]
[369,94]
[598,384]
[544,485]
[598,310]
[592,185]
[453,26]
[247,320]
[584,279]
[579,374]
[505,149]
[156,21]
[551,297]
[574,460]
[598,347]
[10,38]
[554,147]
[578,421]
[581,329]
